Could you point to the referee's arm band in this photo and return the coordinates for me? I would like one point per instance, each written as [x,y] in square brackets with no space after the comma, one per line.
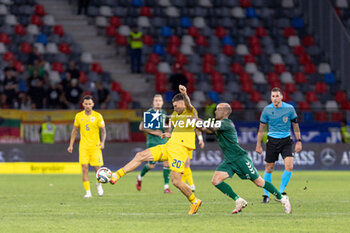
[295,120]
[263,122]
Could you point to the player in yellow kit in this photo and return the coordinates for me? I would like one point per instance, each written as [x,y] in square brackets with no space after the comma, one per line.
[176,150]
[90,124]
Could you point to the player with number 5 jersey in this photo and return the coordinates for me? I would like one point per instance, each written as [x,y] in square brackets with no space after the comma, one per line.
[90,123]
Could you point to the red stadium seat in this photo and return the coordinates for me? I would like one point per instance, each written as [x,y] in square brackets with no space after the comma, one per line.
[321,117]
[18,66]
[237,68]
[279,68]
[321,87]
[249,58]
[26,48]
[173,49]
[300,77]
[256,50]
[275,84]
[304,59]
[193,31]
[20,29]
[181,59]
[337,116]
[219,87]
[244,77]
[147,40]
[290,88]
[64,48]
[126,96]
[310,68]
[190,77]
[58,30]
[123,105]
[308,41]
[174,40]
[57,66]
[153,58]
[247,87]
[260,32]
[207,68]
[161,81]
[228,50]
[40,10]
[4,38]
[116,86]
[255,96]
[216,77]
[345,105]
[303,106]
[111,30]
[115,21]
[220,32]
[286,97]
[145,11]
[236,105]
[209,58]
[298,50]
[288,31]
[245,3]
[82,77]
[121,40]
[8,56]
[96,67]
[311,97]
[201,40]
[36,19]
[253,40]
[150,68]
[340,96]
[272,77]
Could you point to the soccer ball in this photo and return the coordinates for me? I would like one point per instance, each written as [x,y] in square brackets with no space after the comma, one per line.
[103,175]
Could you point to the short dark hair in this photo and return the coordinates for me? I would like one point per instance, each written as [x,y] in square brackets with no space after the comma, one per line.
[178,97]
[277,89]
[88,97]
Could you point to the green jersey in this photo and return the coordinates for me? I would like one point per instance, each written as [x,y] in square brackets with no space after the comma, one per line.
[153,140]
[228,141]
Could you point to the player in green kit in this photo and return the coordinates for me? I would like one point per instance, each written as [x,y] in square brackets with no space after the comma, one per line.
[236,161]
[154,139]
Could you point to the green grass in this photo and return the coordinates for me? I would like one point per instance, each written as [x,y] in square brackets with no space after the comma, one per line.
[54,203]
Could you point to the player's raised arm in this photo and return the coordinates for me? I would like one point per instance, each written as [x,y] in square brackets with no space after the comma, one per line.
[72,139]
[187,100]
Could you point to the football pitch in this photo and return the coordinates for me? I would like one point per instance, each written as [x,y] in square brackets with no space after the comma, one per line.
[54,203]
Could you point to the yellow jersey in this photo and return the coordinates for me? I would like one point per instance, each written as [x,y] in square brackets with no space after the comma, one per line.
[89,128]
[184,128]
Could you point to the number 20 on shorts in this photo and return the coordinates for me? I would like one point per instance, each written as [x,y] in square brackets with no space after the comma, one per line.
[176,163]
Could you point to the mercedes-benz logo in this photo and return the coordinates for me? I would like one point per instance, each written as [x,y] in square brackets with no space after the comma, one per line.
[328,157]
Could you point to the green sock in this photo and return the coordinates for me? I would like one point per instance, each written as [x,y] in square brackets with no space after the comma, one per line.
[166,172]
[272,189]
[145,169]
[226,189]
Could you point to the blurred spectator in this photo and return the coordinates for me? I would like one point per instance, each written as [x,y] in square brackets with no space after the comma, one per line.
[54,96]
[136,44]
[38,66]
[10,85]
[66,82]
[178,78]
[345,132]
[10,67]
[33,79]
[73,94]
[83,6]
[24,102]
[103,96]
[73,71]
[33,56]
[37,94]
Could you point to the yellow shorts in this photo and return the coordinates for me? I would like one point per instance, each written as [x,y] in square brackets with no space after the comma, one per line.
[176,154]
[92,156]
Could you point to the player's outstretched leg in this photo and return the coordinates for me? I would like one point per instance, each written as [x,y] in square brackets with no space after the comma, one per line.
[218,182]
[140,157]
[185,189]
[166,176]
[260,182]
[147,167]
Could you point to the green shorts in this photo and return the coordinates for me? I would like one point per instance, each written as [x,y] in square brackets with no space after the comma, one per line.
[243,167]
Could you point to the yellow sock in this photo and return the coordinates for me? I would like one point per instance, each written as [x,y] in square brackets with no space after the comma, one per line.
[120,173]
[192,198]
[86,185]
[189,176]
